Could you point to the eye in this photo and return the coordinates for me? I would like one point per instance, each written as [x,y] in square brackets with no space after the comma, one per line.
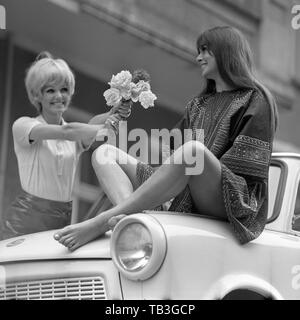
[204,47]
[49,90]
[64,90]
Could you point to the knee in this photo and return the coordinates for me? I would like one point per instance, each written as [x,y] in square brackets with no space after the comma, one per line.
[104,154]
[193,157]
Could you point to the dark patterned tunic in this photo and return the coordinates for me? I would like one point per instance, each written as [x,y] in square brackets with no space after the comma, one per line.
[238,130]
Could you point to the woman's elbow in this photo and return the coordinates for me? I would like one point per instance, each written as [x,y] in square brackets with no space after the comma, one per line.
[69,132]
[78,131]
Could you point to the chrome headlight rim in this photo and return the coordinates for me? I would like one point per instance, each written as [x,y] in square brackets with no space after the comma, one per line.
[159,246]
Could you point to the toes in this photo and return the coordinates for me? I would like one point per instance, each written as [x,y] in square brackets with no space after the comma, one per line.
[69,242]
[114,220]
[56,236]
[65,240]
[61,233]
[73,246]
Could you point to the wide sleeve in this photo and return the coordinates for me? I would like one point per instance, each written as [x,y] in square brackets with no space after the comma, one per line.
[21,129]
[245,168]
[182,125]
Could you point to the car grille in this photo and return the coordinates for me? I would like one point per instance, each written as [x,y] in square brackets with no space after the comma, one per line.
[91,288]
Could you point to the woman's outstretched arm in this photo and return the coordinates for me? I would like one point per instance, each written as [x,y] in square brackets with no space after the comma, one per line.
[74,131]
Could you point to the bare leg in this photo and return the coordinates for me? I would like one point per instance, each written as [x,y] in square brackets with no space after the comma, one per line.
[164,184]
[101,204]
[116,172]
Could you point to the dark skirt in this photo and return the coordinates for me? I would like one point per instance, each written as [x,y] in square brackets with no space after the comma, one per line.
[29,214]
[183,202]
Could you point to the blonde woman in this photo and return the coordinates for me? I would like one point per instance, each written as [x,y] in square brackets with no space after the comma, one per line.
[48,149]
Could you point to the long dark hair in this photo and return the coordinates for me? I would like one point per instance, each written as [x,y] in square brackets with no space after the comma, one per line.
[234,61]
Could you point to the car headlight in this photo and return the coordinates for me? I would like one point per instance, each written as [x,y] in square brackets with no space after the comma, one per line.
[138,246]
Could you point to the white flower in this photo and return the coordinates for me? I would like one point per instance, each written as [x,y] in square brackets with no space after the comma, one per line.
[122,88]
[112,96]
[137,89]
[121,81]
[126,93]
[146,98]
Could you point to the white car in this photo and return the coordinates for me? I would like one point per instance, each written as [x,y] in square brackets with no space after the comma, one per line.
[164,255]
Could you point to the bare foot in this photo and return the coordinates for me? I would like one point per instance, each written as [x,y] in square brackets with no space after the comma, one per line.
[76,235]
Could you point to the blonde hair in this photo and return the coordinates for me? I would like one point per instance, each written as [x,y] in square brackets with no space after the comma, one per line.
[47,71]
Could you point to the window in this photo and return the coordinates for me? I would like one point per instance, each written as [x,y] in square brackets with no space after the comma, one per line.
[274,190]
[296,217]
[296,69]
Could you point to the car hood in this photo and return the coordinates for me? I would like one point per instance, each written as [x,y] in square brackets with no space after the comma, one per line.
[42,246]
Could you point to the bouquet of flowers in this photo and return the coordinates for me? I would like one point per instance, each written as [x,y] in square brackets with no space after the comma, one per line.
[125,86]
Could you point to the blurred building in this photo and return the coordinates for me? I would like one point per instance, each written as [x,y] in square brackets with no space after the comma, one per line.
[99,38]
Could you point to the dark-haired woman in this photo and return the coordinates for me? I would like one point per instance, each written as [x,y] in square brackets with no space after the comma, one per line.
[48,149]
[238,116]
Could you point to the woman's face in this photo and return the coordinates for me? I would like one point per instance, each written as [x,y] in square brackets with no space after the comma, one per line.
[55,99]
[207,63]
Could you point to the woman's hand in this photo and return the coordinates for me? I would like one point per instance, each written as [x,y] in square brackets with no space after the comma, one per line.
[113,122]
[123,108]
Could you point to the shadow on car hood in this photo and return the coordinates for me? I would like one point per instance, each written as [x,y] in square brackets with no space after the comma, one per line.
[41,246]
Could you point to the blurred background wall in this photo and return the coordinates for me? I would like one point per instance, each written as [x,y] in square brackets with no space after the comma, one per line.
[99,38]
